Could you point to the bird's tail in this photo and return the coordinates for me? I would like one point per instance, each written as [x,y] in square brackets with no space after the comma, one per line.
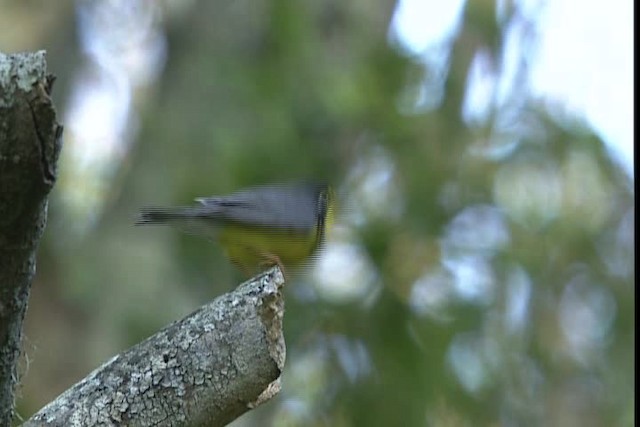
[195,220]
[154,215]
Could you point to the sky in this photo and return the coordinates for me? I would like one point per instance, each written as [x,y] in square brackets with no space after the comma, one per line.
[584,59]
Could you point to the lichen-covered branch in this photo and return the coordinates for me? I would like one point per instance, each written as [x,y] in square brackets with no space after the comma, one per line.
[30,142]
[204,370]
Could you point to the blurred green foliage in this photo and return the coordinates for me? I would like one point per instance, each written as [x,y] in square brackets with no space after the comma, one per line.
[495,282]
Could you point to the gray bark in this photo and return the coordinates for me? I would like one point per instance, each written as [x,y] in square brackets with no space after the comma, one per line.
[30,141]
[206,369]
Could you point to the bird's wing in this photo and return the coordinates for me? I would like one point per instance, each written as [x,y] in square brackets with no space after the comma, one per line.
[290,207]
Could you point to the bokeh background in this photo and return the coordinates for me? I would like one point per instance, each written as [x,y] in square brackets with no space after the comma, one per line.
[482,268]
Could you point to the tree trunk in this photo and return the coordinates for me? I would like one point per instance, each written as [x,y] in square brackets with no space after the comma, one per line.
[30,141]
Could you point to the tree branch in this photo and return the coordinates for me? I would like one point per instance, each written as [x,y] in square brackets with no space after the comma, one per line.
[206,369]
[30,142]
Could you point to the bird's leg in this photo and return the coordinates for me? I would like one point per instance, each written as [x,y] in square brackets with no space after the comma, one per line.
[269,260]
[243,268]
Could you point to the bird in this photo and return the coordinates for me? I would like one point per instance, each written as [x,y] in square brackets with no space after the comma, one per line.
[258,227]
